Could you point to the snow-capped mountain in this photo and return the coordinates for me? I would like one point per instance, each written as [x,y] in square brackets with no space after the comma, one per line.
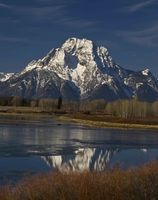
[5,76]
[83,159]
[79,69]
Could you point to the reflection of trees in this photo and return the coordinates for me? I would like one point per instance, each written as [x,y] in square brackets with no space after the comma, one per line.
[83,159]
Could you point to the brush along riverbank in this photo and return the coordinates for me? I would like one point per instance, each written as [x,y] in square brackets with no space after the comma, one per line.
[116,184]
[108,122]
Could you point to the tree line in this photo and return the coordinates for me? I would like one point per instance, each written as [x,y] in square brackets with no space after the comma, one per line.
[120,108]
[17,101]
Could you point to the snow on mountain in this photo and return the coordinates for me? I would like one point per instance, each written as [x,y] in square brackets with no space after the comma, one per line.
[83,159]
[80,69]
[145,72]
[5,76]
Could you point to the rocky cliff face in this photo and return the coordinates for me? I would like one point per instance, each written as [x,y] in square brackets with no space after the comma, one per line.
[80,70]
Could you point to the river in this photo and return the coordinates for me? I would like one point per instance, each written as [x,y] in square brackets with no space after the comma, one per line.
[40,146]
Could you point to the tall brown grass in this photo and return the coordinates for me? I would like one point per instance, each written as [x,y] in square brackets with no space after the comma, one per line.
[116,184]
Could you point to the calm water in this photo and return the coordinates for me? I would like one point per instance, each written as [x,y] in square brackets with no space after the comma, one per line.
[29,148]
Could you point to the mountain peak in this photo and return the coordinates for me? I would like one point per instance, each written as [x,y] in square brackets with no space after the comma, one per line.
[78,40]
[76,44]
[77,70]
[84,45]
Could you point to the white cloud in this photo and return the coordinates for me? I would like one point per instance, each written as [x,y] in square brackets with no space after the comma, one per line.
[40,13]
[145,37]
[139,6]
[2,5]
[54,14]
[75,23]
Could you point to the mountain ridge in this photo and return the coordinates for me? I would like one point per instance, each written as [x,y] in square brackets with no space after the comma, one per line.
[78,70]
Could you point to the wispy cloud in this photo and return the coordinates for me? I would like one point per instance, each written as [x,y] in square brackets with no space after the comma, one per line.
[56,1]
[139,6]
[37,12]
[75,23]
[40,13]
[145,37]
[55,13]
[2,5]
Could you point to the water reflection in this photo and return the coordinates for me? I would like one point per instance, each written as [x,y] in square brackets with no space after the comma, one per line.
[81,160]
[46,145]
[100,159]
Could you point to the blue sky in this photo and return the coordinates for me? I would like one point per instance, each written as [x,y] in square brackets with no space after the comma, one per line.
[29,29]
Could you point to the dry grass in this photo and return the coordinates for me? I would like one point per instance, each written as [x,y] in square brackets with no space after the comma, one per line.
[115,184]
[107,118]
[14,109]
[90,119]
[103,121]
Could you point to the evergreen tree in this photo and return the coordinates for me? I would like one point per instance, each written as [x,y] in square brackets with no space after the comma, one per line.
[59,103]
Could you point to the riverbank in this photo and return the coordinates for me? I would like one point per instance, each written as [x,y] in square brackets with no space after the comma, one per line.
[108,122]
[116,184]
[97,120]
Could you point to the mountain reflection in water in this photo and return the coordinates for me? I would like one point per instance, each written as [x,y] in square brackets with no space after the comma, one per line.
[83,159]
[99,159]
[44,145]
